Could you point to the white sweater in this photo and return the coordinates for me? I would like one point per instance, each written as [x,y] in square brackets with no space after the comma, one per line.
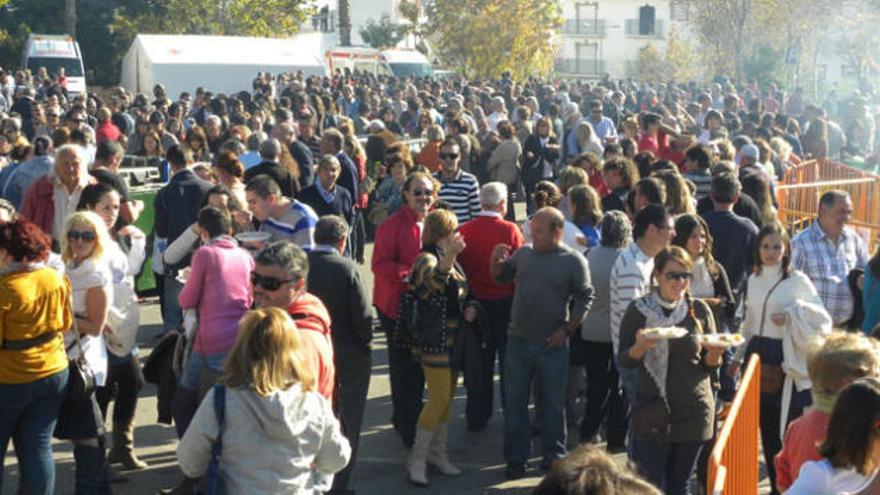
[797,287]
[288,442]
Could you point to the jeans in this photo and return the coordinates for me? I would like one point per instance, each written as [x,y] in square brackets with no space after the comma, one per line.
[407,386]
[28,413]
[172,315]
[199,373]
[629,379]
[480,396]
[668,465]
[523,361]
[605,401]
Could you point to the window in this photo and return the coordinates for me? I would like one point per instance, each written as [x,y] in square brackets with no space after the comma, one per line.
[647,20]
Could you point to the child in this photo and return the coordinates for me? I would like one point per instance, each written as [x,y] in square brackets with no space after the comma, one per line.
[842,358]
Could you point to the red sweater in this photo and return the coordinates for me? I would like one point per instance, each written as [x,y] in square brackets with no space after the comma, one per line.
[801,445]
[107,131]
[398,241]
[313,322]
[481,235]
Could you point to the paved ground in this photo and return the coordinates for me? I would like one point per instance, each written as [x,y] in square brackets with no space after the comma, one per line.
[380,468]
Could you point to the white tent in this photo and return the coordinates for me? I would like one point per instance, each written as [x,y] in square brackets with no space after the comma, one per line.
[224,64]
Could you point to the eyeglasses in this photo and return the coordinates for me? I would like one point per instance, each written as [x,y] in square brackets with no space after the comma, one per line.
[683,276]
[268,283]
[448,156]
[85,235]
[422,192]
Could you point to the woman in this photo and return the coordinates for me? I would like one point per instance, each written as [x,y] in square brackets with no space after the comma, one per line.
[871,293]
[586,210]
[34,311]
[387,198]
[218,286]
[84,247]
[774,293]
[548,194]
[815,141]
[587,141]
[429,156]
[197,140]
[592,165]
[151,146]
[756,186]
[710,282]
[568,178]
[439,282]
[278,434]
[851,450]
[540,153]
[125,255]
[230,172]
[679,199]
[503,164]
[136,140]
[674,412]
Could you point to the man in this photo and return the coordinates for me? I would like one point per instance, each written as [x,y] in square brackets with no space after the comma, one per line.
[460,190]
[733,236]
[332,143]
[337,282]
[481,235]
[270,151]
[279,281]
[108,157]
[285,133]
[602,126]
[307,133]
[698,164]
[106,130]
[749,164]
[828,250]
[744,207]
[17,178]
[347,104]
[324,196]
[553,293]
[282,217]
[649,191]
[251,157]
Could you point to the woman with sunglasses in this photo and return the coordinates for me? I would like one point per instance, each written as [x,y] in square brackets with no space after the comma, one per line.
[673,414]
[84,245]
[774,292]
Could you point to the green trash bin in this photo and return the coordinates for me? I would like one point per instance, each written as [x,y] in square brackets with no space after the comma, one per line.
[145,283]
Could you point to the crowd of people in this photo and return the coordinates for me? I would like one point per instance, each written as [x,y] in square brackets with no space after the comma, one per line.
[649,267]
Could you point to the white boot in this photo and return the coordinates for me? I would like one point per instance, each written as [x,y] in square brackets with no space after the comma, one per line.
[437,452]
[416,464]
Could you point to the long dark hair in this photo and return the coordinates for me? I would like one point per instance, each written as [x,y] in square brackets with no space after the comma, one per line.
[852,429]
[766,231]
[874,264]
[684,227]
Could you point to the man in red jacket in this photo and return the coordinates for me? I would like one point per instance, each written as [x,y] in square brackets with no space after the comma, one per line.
[279,280]
[106,129]
[481,235]
[398,242]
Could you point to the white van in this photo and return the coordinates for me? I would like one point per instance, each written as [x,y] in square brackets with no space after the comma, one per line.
[55,52]
[407,63]
[380,63]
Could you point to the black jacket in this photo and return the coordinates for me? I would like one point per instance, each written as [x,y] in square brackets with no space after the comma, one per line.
[177,206]
[278,173]
[336,281]
[306,161]
[159,369]
[533,151]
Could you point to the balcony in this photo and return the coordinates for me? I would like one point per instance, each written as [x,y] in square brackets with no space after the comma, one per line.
[632,29]
[584,27]
[580,67]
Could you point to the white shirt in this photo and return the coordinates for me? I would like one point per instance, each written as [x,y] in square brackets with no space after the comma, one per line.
[821,478]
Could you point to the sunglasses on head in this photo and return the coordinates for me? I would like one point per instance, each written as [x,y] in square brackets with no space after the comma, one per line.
[85,235]
[684,276]
[422,192]
[448,156]
[268,283]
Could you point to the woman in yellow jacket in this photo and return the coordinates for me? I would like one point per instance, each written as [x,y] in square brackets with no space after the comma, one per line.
[34,311]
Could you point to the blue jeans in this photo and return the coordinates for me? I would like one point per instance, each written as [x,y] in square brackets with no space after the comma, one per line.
[28,413]
[196,365]
[668,465]
[172,315]
[523,361]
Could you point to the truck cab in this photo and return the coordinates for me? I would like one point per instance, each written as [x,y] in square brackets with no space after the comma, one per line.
[399,63]
[56,52]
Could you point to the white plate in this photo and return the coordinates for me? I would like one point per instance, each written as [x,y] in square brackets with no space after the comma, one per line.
[249,237]
[665,333]
[722,340]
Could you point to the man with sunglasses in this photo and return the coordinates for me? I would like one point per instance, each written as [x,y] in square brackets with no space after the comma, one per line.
[602,125]
[279,281]
[460,190]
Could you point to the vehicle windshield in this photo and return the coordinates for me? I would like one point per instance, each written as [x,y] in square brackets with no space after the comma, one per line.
[412,69]
[72,66]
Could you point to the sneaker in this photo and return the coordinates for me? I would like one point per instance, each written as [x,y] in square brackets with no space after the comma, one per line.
[515,471]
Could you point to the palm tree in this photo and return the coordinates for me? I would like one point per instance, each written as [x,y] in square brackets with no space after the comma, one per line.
[344,9]
[70,17]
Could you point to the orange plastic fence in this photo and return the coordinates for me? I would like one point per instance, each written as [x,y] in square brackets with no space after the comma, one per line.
[733,463]
[804,184]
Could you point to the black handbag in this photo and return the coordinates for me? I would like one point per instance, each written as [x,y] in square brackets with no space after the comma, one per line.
[81,378]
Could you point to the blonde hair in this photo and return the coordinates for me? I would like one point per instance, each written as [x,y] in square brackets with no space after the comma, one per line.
[572,176]
[422,277]
[439,224]
[267,355]
[678,195]
[841,358]
[89,220]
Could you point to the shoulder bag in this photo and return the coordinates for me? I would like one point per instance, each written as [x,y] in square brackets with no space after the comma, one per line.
[772,375]
[214,484]
[81,379]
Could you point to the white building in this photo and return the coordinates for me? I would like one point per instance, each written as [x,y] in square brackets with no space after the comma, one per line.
[361,13]
[605,36]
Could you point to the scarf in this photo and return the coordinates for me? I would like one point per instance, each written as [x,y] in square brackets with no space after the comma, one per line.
[656,360]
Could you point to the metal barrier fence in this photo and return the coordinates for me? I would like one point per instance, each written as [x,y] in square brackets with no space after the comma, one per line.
[733,463]
[804,184]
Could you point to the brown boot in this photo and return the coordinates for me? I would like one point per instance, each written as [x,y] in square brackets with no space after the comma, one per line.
[122,451]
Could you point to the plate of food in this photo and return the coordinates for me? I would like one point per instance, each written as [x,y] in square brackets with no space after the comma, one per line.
[253,239]
[664,333]
[724,340]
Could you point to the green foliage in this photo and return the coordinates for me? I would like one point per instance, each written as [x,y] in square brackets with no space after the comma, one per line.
[766,64]
[650,64]
[485,38]
[382,34]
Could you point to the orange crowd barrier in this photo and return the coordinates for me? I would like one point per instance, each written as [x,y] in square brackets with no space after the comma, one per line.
[804,184]
[733,463]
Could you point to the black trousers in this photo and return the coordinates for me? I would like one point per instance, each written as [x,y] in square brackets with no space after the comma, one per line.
[352,383]
[407,386]
[604,401]
[124,381]
[480,396]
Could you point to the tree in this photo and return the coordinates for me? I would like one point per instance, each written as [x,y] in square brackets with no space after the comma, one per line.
[681,61]
[725,28]
[485,38]
[344,9]
[650,64]
[382,34]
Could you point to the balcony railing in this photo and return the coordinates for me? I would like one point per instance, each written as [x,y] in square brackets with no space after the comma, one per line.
[584,27]
[632,29]
[581,67]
